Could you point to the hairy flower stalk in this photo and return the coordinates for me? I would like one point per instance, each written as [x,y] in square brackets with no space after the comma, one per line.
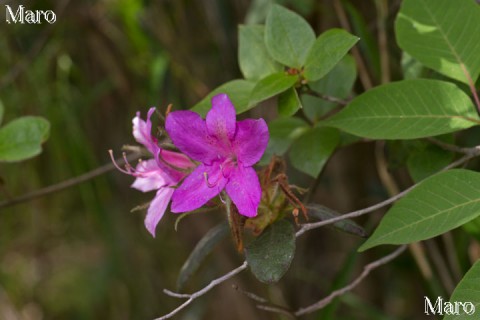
[162,173]
[227,149]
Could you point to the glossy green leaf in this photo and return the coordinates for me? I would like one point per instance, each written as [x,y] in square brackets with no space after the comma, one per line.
[338,83]
[22,138]
[288,103]
[467,290]
[310,152]
[288,37]
[238,91]
[322,213]
[253,58]
[203,248]
[407,109]
[283,132]
[438,204]
[271,86]
[269,256]
[442,34]
[329,48]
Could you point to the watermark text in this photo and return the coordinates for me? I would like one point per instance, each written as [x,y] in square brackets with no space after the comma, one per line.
[441,307]
[22,15]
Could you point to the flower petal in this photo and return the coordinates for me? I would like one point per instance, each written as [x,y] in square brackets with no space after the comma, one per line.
[221,119]
[149,176]
[194,192]
[157,208]
[250,141]
[176,159]
[244,189]
[142,132]
[189,134]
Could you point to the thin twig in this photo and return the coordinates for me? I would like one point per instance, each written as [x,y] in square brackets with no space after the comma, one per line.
[451,147]
[250,295]
[366,270]
[265,304]
[325,97]
[309,226]
[193,296]
[65,184]
[276,309]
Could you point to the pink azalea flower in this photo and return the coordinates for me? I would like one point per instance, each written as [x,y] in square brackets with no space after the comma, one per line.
[227,150]
[161,173]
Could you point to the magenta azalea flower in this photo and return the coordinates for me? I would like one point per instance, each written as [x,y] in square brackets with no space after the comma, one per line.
[227,150]
[162,173]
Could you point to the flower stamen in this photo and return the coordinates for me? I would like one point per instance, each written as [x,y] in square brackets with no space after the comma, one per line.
[127,170]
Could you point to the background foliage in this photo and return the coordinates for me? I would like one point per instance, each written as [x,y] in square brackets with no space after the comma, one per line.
[80,254]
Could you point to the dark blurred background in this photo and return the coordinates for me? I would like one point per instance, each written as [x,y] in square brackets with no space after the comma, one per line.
[80,253]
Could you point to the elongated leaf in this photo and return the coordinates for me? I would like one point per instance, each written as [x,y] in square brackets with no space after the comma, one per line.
[272,85]
[442,34]
[200,252]
[288,103]
[327,51]
[269,256]
[319,212]
[468,290]
[288,37]
[282,133]
[253,58]
[237,90]
[407,109]
[438,204]
[22,138]
[312,149]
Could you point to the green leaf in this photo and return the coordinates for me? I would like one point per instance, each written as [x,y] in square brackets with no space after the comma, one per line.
[253,58]
[338,83]
[288,37]
[424,162]
[442,34]
[319,212]
[438,204]
[407,109]
[329,48]
[203,248]
[22,138]
[269,256]
[237,90]
[310,152]
[288,103]
[272,85]
[283,132]
[467,290]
